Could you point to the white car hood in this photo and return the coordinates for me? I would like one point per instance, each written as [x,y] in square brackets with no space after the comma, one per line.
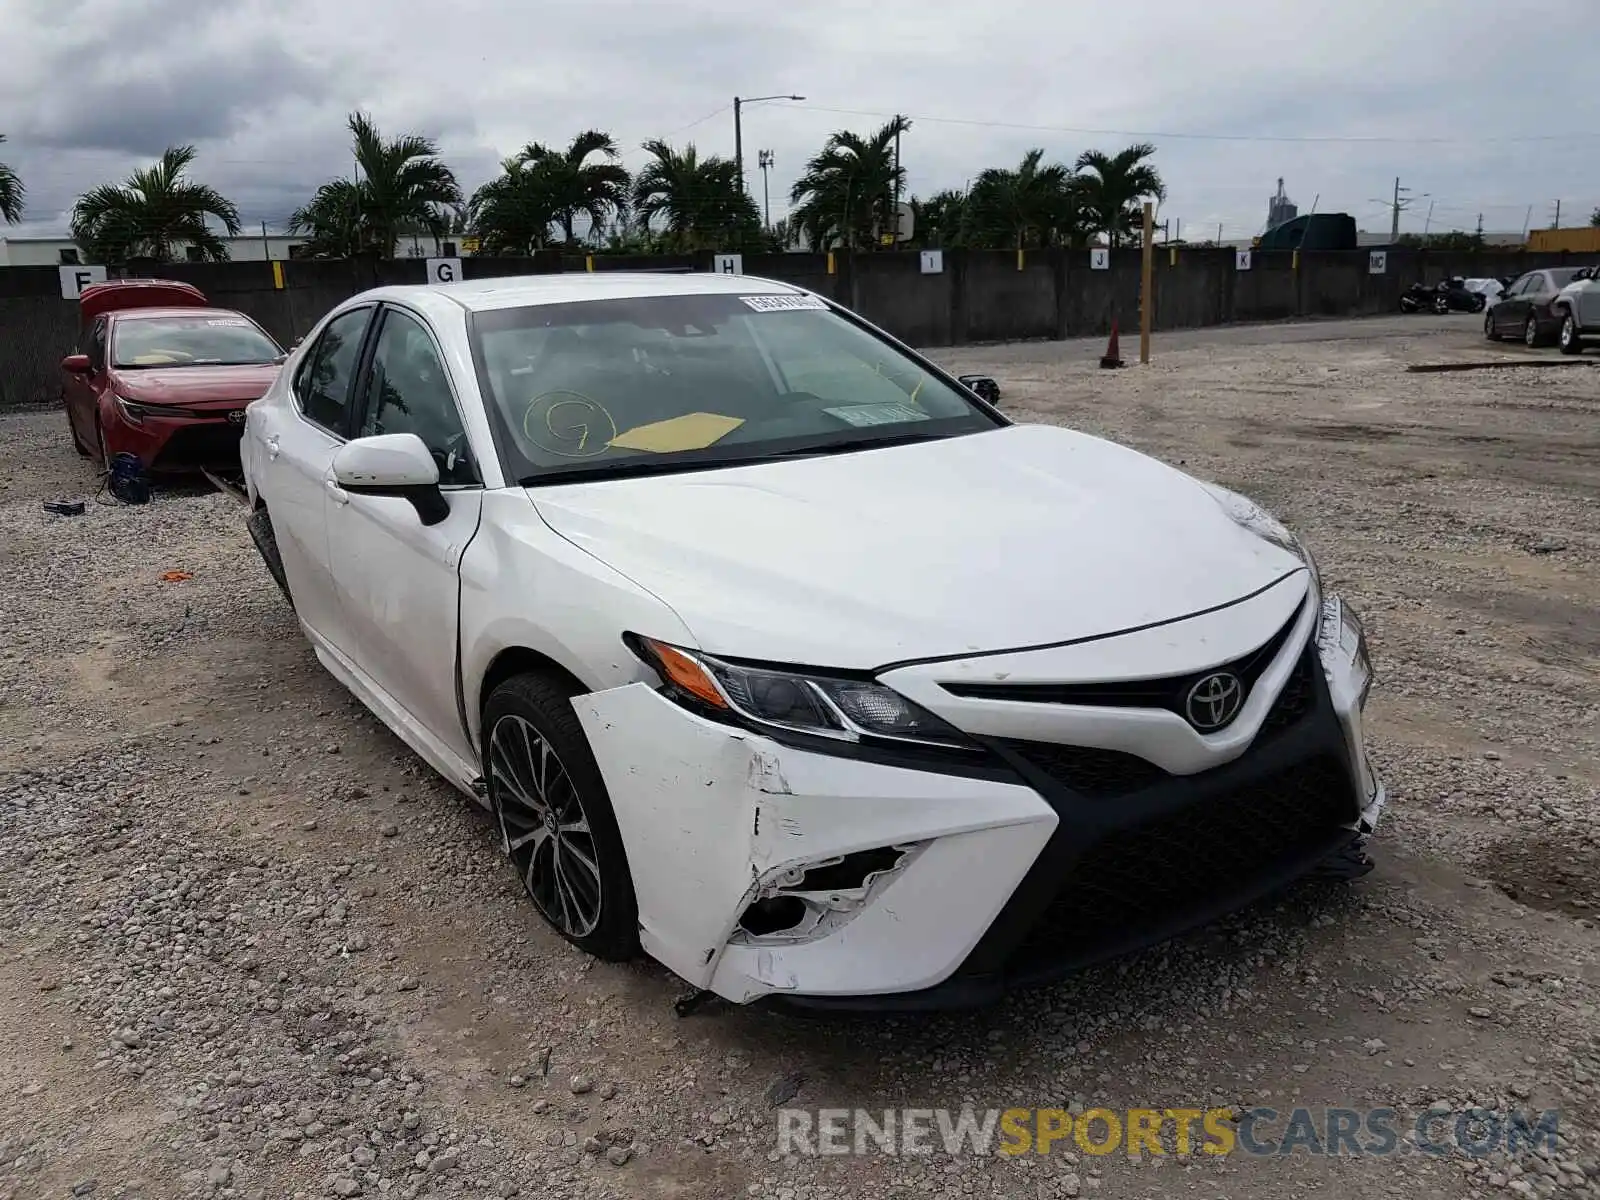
[1025,536]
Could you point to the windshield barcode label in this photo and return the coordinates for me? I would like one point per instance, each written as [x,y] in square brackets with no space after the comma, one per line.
[877,414]
[783,303]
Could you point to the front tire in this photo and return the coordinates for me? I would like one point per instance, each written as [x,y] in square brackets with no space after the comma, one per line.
[556,822]
[1571,343]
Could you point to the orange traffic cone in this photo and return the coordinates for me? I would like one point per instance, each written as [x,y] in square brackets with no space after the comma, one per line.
[1111,358]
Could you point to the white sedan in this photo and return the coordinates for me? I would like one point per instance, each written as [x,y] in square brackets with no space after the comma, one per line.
[776,652]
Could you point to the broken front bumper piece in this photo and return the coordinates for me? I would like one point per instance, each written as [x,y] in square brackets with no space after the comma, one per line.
[766,871]
[891,875]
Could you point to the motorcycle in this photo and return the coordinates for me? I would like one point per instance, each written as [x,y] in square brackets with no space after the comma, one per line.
[1448,296]
[1417,298]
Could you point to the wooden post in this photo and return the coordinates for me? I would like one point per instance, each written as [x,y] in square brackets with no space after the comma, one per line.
[1146,278]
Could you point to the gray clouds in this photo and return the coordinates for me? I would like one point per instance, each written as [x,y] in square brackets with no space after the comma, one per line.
[262,89]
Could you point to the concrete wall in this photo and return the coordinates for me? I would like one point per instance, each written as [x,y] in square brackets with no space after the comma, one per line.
[980,296]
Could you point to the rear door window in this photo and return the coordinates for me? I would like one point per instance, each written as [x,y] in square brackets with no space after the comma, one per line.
[323,382]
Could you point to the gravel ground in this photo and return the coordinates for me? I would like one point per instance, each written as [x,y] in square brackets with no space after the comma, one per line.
[249,947]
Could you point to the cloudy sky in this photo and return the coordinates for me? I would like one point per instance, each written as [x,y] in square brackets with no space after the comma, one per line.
[1487,105]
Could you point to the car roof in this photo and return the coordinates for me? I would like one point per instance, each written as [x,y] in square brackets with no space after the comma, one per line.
[520,291]
[139,314]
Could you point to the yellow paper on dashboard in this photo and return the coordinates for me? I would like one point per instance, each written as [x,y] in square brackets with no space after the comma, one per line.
[692,431]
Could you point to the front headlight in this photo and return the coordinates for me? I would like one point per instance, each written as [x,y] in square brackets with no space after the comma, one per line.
[1344,639]
[1247,513]
[821,705]
[131,412]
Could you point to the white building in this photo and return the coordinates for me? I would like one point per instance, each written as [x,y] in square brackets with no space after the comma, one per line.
[260,247]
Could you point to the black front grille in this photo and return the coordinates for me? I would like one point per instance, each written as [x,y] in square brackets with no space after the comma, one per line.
[1144,877]
[212,444]
[1169,692]
[1298,694]
[1091,771]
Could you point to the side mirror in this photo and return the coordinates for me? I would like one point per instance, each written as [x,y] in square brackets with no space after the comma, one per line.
[75,364]
[981,386]
[392,464]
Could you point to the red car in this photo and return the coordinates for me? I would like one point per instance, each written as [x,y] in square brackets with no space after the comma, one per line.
[165,377]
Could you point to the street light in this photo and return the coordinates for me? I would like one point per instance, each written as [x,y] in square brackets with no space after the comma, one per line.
[738,130]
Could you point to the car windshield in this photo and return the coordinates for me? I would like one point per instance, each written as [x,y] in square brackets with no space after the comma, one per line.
[605,387]
[204,339]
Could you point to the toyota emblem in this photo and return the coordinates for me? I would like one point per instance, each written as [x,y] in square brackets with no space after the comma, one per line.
[236,417]
[1214,701]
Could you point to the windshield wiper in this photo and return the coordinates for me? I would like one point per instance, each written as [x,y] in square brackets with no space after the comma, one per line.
[867,443]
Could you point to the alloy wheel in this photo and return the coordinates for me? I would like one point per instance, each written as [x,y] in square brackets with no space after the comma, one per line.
[543,827]
[1530,332]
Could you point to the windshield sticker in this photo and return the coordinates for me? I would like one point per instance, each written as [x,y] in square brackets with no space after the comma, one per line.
[692,431]
[783,303]
[231,322]
[877,414]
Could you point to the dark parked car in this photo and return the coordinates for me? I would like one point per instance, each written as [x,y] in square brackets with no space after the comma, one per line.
[1525,308]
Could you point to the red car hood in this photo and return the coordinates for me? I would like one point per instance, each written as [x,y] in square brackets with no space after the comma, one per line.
[197,386]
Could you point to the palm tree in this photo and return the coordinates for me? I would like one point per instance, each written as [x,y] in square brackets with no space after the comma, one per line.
[1038,204]
[11,193]
[941,219]
[847,191]
[403,185]
[697,202]
[1113,186]
[596,190]
[402,179]
[149,214]
[513,213]
[332,219]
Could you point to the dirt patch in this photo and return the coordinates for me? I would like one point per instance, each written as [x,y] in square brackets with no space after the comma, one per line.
[1548,874]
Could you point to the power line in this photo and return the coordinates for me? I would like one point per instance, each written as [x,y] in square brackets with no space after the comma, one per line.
[1157,134]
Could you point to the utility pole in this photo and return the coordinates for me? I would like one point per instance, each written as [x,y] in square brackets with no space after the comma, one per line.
[266,247]
[1399,204]
[738,140]
[1146,281]
[1558,215]
[896,180]
[764,159]
[1428,222]
[1480,227]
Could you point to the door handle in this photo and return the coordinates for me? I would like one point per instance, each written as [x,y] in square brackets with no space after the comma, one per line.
[336,493]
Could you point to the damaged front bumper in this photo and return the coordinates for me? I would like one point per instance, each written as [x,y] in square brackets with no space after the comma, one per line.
[764,871]
[890,875]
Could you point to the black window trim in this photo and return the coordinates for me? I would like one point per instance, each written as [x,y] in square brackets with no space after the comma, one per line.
[362,353]
[369,352]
